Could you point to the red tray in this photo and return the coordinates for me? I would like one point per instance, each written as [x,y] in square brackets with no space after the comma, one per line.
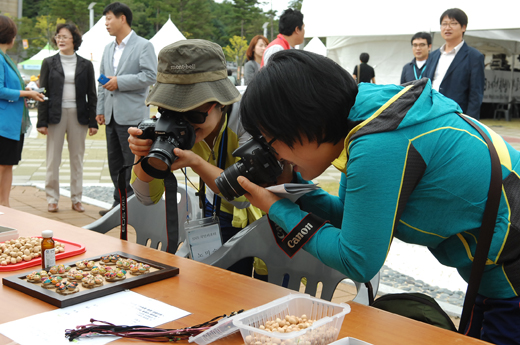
[71,249]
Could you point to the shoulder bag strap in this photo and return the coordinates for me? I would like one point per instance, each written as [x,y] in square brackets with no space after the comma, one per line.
[486,229]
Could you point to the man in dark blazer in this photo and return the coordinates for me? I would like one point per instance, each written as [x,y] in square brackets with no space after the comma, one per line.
[131,65]
[456,69]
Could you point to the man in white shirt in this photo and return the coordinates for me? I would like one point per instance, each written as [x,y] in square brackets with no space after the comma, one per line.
[456,69]
[130,64]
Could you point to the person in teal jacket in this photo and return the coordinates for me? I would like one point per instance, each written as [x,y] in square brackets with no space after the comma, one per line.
[412,169]
[14,115]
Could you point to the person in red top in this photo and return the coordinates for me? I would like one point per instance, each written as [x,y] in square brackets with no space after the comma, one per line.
[291,33]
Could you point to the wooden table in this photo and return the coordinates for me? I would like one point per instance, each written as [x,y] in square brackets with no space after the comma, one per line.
[204,291]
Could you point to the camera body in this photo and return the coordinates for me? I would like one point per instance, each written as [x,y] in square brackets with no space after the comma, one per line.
[167,132]
[257,163]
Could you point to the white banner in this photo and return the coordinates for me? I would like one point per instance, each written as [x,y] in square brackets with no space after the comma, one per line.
[496,87]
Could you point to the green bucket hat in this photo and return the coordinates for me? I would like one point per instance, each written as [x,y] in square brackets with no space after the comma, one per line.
[191,73]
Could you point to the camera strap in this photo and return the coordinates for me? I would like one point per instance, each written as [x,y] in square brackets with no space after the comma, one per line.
[172,213]
[292,242]
[221,163]
[123,206]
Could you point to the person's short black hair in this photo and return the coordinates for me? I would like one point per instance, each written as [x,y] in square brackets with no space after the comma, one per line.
[74,31]
[299,95]
[289,21]
[118,8]
[8,30]
[423,35]
[457,14]
[364,57]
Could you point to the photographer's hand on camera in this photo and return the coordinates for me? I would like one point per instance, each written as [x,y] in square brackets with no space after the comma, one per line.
[140,148]
[185,158]
[258,196]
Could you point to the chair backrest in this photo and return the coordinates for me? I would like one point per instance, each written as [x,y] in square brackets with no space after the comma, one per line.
[257,240]
[149,222]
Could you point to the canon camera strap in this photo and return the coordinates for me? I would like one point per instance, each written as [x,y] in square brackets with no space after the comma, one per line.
[123,206]
[292,242]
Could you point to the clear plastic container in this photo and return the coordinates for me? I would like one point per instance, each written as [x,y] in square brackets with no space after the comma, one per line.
[7,234]
[350,341]
[328,318]
[222,329]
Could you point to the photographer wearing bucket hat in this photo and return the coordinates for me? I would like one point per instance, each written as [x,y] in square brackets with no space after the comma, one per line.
[192,80]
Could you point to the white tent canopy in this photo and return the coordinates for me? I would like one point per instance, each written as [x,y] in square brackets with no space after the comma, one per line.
[386,32]
[316,46]
[94,42]
[168,34]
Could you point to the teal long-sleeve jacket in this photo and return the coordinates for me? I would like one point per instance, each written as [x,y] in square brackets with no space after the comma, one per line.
[415,170]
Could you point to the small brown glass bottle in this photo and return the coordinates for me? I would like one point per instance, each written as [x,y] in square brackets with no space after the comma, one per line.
[48,251]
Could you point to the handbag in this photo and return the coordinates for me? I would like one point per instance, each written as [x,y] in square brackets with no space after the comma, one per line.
[422,307]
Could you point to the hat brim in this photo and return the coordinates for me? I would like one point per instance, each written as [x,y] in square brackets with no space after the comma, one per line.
[184,97]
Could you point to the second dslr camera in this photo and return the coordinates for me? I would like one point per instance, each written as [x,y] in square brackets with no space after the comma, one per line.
[257,163]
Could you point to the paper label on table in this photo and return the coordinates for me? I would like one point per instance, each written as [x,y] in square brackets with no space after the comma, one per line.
[122,308]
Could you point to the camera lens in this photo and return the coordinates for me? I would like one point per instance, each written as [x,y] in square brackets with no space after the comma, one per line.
[157,163]
[227,182]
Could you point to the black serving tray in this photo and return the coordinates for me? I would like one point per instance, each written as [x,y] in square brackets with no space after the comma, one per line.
[161,272]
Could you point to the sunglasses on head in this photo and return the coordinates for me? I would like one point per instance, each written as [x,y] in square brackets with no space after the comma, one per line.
[192,116]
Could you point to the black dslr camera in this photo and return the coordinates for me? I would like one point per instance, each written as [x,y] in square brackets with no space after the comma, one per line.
[167,132]
[257,163]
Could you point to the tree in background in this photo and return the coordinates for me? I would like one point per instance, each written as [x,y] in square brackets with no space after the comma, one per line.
[38,32]
[75,11]
[158,12]
[46,26]
[244,14]
[31,8]
[205,19]
[193,18]
[236,51]
[296,4]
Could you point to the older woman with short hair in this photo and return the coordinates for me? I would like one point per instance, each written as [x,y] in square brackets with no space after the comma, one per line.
[15,115]
[71,87]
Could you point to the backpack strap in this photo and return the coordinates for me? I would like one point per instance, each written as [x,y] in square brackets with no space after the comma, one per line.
[486,229]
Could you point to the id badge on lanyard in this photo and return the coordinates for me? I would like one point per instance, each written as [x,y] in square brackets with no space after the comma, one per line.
[203,237]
